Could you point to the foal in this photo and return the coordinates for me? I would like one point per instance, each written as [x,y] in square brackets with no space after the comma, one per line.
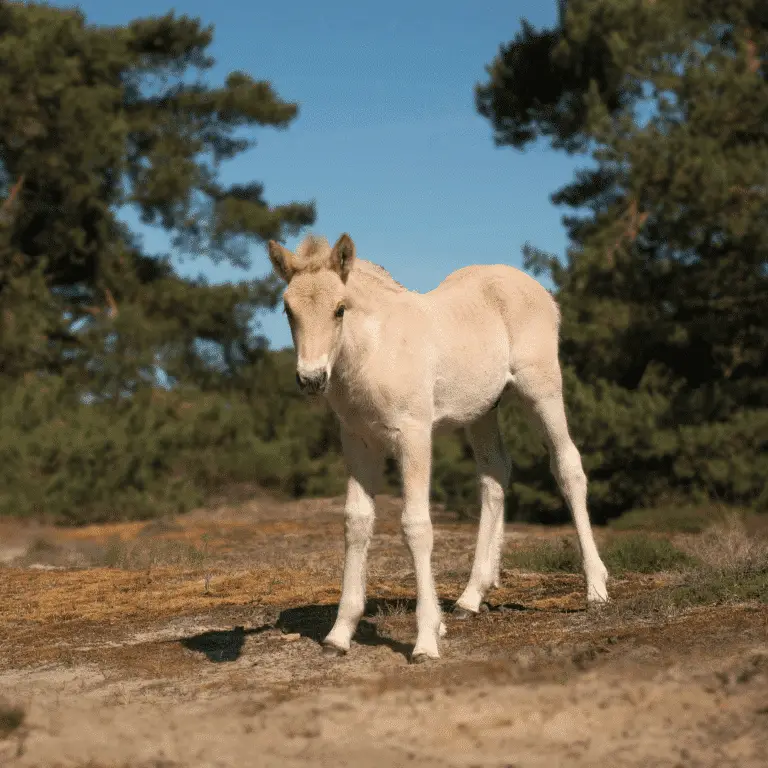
[395,365]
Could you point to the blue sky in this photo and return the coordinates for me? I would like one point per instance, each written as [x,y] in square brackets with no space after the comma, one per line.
[387,142]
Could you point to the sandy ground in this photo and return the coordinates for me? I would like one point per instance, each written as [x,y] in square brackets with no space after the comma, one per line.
[195,642]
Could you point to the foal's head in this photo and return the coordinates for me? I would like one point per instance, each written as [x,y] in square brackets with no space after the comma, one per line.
[314,303]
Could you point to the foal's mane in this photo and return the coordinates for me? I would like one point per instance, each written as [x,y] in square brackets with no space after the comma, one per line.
[312,256]
[379,274]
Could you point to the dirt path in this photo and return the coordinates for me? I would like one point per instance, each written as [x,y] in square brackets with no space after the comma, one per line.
[141,665]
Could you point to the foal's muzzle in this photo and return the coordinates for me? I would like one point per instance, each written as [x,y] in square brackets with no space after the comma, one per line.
[312,383]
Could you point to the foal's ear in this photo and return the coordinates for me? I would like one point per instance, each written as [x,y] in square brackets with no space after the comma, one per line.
[282,260]
[343,256]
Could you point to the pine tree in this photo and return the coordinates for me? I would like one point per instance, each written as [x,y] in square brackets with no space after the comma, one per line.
[665,282]
[98,118]
[94,120]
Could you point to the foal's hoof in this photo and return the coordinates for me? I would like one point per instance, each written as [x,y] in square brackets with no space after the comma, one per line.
[597,596]
[421,658]
[463,613]
[599,604]
[333,651]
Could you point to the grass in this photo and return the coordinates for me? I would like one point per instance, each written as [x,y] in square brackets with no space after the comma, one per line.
[41,550]
[562,557]
[11,718]
[700,588]
[727,547]
[150,553]
[141,553]
[723,564]
[723,587]
[727,565]
[682,518]
[637,553]
[733,565]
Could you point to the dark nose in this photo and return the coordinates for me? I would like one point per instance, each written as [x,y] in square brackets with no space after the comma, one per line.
[312,382]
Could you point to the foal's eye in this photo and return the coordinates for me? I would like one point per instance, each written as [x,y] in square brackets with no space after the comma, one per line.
[340,311]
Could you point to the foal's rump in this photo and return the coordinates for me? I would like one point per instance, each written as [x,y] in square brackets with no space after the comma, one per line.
[480,302]
[490,323]
[485,321]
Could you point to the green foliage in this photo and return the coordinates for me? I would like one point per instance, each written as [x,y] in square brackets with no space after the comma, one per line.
[454,474]
[672,518]
[636,553]
[664,342]
[96,120]
[160,452]
[562,557]
[712,588]
[664,285]
[639,553]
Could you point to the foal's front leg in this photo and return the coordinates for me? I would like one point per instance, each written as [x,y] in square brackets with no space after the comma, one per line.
[415,462]
[364,463]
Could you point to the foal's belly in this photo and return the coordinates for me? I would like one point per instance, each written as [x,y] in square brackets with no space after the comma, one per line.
[468,394]
[471,361]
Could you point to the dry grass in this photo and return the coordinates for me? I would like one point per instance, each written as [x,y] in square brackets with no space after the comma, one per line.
[140,575]
[729,566]
[150,553]
[195,609]
[728,547]
[109,594]
[725,564]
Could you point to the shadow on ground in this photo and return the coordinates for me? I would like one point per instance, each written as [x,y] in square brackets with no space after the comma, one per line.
[315,622]
[222,645]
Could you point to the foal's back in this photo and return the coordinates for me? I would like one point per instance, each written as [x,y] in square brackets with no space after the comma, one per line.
[486,323]
[488,300]
[501,287]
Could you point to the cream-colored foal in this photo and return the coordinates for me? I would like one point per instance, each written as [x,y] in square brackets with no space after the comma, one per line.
[396,365]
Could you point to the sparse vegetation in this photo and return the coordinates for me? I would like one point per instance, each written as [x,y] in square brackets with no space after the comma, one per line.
[714,588]
[561,557]
[723,564]
[274,600]
[150,553]
[727,548]
[636,553]
[145,551]
[699,588]
[639,553]
[672,518]
[732,566]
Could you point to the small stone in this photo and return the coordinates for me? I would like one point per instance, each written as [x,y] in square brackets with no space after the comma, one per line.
[292,637]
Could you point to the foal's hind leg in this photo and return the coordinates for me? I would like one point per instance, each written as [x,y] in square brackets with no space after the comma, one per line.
[542,388]
[493,470]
